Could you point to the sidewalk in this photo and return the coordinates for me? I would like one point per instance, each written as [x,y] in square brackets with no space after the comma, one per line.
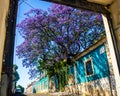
[60,94]
[53,94]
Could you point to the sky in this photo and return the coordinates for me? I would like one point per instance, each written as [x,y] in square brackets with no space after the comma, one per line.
[23,7]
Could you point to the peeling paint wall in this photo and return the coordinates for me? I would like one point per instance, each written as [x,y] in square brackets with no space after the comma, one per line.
[40,86]
[102,81]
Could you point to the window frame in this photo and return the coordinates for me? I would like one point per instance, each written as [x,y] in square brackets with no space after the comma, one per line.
[85,62]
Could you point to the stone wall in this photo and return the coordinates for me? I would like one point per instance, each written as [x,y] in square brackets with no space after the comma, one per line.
[100,87]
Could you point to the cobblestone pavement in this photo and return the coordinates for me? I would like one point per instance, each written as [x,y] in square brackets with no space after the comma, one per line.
[38,94]
[51,94]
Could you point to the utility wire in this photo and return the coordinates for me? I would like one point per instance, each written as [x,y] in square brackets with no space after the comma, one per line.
[21,2]
[18,20]
[24,1]
[29,4]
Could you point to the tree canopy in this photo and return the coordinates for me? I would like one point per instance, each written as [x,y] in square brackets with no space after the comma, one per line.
[21,88]
[56,35]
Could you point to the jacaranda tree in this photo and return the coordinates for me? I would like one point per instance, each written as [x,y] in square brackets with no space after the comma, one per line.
[56,35]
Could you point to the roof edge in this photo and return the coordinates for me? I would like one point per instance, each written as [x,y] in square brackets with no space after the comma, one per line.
[86,51]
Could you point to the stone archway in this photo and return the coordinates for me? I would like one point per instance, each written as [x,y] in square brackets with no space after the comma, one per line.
[9,44]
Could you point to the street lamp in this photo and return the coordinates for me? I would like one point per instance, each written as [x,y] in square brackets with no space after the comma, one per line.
[103,2]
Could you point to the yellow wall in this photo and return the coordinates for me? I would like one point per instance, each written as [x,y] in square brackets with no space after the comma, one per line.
[4,6]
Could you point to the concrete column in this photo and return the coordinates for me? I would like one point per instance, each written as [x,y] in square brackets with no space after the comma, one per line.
[115,14]
[112,54]
[4,5]
[4,83]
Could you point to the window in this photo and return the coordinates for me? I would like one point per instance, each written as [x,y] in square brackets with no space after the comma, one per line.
[89,67]
[102,50]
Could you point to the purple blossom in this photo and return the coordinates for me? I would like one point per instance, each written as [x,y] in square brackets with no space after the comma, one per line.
[48,35]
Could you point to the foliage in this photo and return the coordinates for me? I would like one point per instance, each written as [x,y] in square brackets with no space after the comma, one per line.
[21,87]
[15,73]
[59,70]
[55,35]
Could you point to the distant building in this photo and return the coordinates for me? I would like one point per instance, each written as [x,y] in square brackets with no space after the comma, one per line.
[41,85]
[29,88]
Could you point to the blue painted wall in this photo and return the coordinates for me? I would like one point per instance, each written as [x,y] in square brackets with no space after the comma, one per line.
[40,85]
[71,70]
[100,65]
